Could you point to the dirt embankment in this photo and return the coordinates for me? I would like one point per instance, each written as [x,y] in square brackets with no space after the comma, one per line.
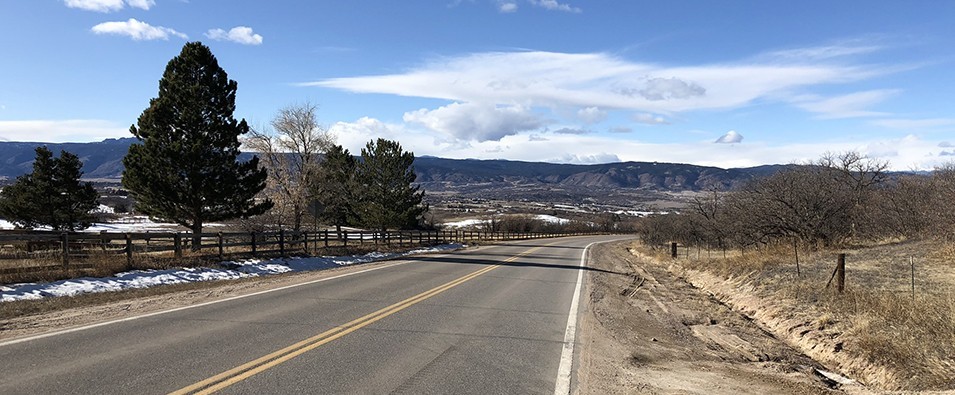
[648,331]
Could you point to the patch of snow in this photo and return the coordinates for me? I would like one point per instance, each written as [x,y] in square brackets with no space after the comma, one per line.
[232,270]
[466,223]
[104,209]
[551,219]
[5,225]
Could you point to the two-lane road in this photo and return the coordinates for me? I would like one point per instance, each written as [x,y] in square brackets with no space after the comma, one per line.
[488,320]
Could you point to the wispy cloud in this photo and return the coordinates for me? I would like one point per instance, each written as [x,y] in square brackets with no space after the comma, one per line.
[650,119]
[239,34]
[108,5]
[137,30]
[928,123]
[558,82]
[58,131]
[554,5]
[853,105]
[506,7]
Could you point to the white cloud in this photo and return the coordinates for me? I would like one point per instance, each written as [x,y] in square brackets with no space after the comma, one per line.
[593,159]
[596,80]
[591,115]
[650,119]
[846,106]
[141,4]
[620,129]
[554,5]
[238,34]
[507,7]
[825,52]
[58,131]
[137,30]
[906,153]
[472,121]
[946,144]
[914,123]
[108,5]
[731,137]
[571,131]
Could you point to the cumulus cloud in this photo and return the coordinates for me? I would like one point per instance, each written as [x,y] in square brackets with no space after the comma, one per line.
[665,89]
[846,106]
[591,115]
[59,131]
[650,119]
[239,34]
[473,121]
[137,30]
[554,5]
[946,153]
[731,137]
[945,144]
[536,137]
[506,7]
[108,5]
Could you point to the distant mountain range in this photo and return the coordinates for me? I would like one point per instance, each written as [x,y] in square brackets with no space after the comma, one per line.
[497,178]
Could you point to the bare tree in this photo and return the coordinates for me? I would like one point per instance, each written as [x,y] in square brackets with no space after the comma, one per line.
[291,150]
[862,175]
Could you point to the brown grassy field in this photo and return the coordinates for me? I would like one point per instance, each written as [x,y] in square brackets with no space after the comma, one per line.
[878,331]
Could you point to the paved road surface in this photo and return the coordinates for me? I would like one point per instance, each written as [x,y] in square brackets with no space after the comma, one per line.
[489,320]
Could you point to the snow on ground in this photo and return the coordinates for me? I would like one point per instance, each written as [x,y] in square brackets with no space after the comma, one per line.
[465,223]
[551,219]
[4,225]
[230,270]
[103,209]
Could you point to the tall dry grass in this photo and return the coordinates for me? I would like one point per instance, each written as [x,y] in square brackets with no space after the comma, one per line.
[912,335]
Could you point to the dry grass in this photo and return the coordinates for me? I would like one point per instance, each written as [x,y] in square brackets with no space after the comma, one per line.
[912,335]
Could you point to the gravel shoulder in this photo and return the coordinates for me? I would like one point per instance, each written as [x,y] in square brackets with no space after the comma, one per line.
[646,330]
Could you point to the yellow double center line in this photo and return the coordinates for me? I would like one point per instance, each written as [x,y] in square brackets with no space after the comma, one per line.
[249,369]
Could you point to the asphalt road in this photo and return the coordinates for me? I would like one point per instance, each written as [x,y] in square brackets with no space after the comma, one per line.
[490,320]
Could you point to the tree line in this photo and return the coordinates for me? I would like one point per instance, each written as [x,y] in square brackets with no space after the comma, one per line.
[185,167]
[837,199]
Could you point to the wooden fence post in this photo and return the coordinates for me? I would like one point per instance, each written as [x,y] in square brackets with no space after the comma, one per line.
[103,237]
[345,237]
[673,251]
[220,242]
[177,244]
[253,244]
[912,265]
[282,243]
[65,241]
[326,238]
[129,252]
[841,273]
[305,238]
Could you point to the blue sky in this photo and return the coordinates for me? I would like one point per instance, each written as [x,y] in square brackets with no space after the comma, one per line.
[725,83]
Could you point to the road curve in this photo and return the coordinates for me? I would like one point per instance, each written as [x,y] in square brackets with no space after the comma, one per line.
[484,320]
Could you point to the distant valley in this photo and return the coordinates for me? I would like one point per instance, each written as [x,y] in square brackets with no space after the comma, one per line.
[612,183]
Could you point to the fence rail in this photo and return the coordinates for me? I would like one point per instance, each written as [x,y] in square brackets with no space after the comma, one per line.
[72,250]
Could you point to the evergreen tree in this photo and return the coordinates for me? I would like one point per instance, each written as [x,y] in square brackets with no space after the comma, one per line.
[51,195]
[186,169]
[385,176]
[335,191]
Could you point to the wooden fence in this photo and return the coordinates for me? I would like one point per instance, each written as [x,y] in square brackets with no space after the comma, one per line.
[72,250]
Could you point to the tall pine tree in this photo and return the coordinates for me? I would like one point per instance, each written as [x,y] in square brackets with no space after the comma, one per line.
[186,168]
[52,195]
[385,176]
[336,190]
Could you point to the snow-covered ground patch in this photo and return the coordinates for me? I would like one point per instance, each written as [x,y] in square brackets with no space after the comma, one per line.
[466,223]
[231,270]
[5,225]
[551,219]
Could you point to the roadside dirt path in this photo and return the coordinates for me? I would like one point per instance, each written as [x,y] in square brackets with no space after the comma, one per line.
[647,331]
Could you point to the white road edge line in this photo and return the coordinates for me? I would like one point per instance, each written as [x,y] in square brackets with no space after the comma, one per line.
[99,324]
[565,369]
